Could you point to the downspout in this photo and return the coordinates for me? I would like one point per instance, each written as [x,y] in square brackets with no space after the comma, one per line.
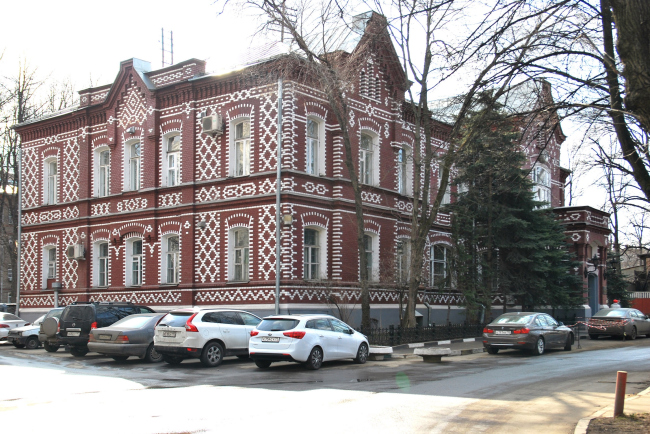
[20,218]
[278,212]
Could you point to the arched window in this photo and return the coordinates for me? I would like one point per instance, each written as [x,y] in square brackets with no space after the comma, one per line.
[101,263]
[439,266]
[366,160]
[542,188]
[372,255]
[239,254]
[51,181]
[133,152]
[49,264]
[241,148]
[312,152]
[402,261]
[171,259]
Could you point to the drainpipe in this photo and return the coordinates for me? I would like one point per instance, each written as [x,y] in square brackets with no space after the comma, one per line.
[19,243]
[278,211]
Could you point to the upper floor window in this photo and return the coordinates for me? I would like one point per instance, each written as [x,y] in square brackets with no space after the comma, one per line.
[102,263]
[404,170]
[171,259]
[134,262]
[542,188]
[439,265]
[172,161]
[51,181]
[366,163]
[134,151]
[239,254]
[446,198]
[312,255]
[241,149]
[313,147]
[103,172]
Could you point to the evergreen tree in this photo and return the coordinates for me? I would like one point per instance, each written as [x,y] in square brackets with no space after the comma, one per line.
[505,242]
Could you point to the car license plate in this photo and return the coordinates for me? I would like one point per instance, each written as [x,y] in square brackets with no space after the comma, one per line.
[271,340]
[169,334]
[73,333]
[107,337]
[502,332]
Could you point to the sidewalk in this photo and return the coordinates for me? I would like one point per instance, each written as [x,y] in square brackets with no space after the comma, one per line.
[636,404]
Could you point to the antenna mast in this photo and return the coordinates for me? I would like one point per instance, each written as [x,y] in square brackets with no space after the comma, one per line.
[171,50]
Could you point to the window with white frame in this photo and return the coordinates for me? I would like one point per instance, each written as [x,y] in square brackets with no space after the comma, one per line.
[172,160]
[403,171]
[311,254]
[49,264]
[10,274]
[542,188]
[402,261]
[101,249]
[313,147]
[366,160]
[133,153]
[446,198]
[439,265]
[102,171]
[171,248]
[239,254]
[51,181]
[242,148]
[134,262]
[370,247]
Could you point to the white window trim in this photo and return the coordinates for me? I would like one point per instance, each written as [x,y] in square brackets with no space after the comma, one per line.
[320,154]
[322,252]
[231,255]
[165,160]
[127,164]
[405,170]
[374,176]
[233,156]
[47,180]
[164,260]
[96,262]
[46,261]
[128,265]
[97,172]
[446,199]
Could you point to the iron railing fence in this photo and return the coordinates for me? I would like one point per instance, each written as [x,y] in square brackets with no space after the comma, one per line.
[395,335]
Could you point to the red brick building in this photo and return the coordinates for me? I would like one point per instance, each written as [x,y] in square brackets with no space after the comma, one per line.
[159,188]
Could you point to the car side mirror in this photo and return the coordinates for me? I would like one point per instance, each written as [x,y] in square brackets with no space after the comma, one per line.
[561,323]
[350,331]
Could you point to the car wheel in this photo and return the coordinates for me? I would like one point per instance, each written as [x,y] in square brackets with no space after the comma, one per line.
[32,343]
[51,348]
[594,337]
[539,347]
[120,358]
[152,356]
[632,336]
[569,342]
[491,350]
[78,351]
[362,354]
[263,363]
[315,360]
[212,355]
[172,360]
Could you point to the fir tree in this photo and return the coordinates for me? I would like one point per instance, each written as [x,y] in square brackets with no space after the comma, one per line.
[506,242]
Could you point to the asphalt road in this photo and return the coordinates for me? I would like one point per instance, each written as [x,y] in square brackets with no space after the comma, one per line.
[508,392]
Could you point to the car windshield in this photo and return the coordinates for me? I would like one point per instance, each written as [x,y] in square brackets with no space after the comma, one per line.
[513,319]
[610,312]
[133,322]
[277,324]
[78,313]
[176,319]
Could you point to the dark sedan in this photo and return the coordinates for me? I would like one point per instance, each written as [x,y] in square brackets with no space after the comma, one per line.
[527,331]
[130,336]
[621,322]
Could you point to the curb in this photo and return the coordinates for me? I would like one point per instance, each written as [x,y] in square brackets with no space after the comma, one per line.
[433,343]
[583,424]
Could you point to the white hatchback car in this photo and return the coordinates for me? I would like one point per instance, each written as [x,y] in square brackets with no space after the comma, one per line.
[308,339]
[206,334]
[9,321]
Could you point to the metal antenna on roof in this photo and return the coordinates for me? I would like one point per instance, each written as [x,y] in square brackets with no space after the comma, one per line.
[171,51]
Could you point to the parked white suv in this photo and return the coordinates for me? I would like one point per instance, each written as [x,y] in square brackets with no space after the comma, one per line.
[308,339]
[206,334]
[26,336]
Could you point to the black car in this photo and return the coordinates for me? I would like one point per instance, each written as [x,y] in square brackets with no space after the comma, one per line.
[78,319]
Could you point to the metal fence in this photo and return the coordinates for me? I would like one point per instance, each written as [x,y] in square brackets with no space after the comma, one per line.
[393,335]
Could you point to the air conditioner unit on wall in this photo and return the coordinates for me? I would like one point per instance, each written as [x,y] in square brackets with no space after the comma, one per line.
[212,124]
[76,251]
